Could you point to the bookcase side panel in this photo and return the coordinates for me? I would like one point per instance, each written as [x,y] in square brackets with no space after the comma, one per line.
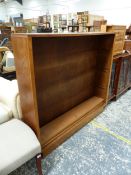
[104,65]
[26,80]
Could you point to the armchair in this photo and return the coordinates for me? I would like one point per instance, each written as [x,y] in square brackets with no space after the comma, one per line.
[18,143]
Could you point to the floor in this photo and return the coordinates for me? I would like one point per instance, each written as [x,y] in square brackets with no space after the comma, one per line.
[102,147]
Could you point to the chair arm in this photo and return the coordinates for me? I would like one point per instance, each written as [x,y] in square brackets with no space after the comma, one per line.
[9,95]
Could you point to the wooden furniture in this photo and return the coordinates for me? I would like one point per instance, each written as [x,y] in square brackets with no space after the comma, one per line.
[124,81]
[82,20]
[73,28]
[63,81]
[5,32]
[128,33]
[20,29]
[90,28]
[99,26]
[113,79]
[121,75]
[119,37]
[127,45]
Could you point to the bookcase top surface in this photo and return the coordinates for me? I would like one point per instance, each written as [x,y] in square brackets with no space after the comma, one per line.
[61,34]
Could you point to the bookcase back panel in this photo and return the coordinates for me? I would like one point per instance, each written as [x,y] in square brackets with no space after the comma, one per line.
[65,70]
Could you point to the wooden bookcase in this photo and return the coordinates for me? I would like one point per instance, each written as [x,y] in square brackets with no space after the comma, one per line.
[63,81]
[119,37]
[124,74]
[120,76]
[127,45]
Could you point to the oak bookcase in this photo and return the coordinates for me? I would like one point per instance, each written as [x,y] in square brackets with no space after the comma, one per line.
[63,81]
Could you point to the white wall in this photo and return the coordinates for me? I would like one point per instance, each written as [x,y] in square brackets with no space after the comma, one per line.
[115,11]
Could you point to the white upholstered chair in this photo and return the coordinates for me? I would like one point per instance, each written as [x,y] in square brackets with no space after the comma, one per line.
[18,143]
[5,113]
[9,97]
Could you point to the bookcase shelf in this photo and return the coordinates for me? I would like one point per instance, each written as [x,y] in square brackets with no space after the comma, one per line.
[63,81]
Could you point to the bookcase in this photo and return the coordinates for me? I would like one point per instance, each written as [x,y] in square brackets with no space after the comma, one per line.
[63,81]
[123,82]
[119,37]
[121,75]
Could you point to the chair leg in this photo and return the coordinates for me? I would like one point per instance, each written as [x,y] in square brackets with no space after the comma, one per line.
[38,164]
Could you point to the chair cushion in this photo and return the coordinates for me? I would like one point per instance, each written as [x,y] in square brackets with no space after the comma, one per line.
[18,144]
[5,113]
